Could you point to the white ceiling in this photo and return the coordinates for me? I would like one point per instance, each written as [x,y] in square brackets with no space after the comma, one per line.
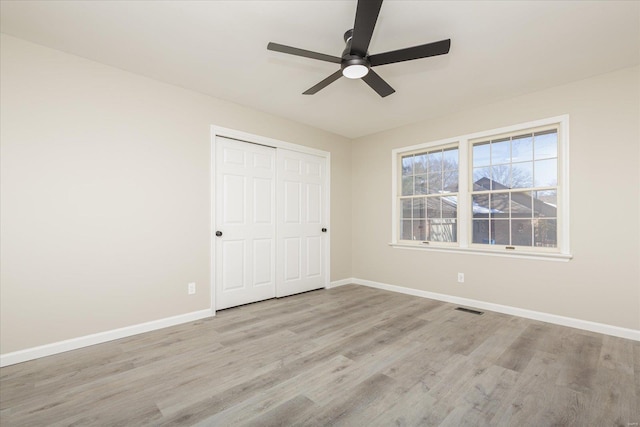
[498,50]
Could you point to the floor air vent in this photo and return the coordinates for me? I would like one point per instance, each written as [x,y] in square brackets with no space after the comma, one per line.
[468,310]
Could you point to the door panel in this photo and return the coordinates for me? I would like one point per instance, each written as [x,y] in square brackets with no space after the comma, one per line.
[292,165]
[301,217]
[262,161]
[314,256]
[263,206]
[292,206]
[292,258]
[314,203]
[245,214]
[262,262]
[233,264]
[234,197]
[233,156]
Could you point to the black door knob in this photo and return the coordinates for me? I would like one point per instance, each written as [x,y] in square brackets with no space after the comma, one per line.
[324,230]
[218,233]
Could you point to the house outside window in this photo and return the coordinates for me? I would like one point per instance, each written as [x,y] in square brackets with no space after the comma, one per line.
[498,192]
[514,189]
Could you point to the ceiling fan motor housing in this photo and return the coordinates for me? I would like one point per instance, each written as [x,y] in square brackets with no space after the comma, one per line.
[349,59]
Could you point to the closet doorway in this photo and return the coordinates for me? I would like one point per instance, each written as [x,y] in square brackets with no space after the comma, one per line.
[270,219]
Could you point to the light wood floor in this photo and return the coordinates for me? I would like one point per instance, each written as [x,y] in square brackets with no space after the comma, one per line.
[347,356]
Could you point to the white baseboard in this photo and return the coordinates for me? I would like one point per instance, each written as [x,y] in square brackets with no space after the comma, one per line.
[616,331]
[87,340]
[341,282]
[75,343]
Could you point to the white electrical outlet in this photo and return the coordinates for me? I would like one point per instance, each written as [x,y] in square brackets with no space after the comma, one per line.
[191,288]
[460,277]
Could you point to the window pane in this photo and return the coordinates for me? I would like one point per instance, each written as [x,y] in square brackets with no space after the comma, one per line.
[482,179]
[545,233]
[420,163]
[418,208]
[450,159]
[435,182]
[500,177]
[546,173]
[450,207]
[500,151]
[521,204]
[450,181]
[500,231]
[481,154]
[441,230]
[405,229]
[545,204]
[548,196]
[407,165]
[481,231]
[419,231]
[407,185]
[480,205]
[420,184]
[433,207]
[522,175]
[500,205]
[521,232]
[522,148]
[435,161]
[546,145]
[406,209]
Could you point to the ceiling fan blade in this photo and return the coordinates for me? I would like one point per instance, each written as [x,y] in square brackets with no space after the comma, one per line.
[416,52]
[377,84]
[366,16]
[326,82]
[302,52]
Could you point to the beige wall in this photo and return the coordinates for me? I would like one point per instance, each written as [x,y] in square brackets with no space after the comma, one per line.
[105,205]
[602,282]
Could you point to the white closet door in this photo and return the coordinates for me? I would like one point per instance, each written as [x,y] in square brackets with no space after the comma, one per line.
[245,223]
[302,218]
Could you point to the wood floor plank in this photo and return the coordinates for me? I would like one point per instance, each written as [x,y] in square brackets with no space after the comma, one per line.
[118,412]
[346,356]
[348,378]
[290,412]
[580,357]
[415,407]
[285,393]
[613,392]
[233,371]
[350,407]
[424,365]
[520,352]
[480,401]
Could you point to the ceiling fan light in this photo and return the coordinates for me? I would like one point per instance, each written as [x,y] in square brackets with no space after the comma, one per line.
[355,71]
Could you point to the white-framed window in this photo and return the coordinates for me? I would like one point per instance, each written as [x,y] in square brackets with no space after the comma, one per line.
[500,192]
[428,199]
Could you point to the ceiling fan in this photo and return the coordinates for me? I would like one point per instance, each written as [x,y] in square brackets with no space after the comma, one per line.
[355,62]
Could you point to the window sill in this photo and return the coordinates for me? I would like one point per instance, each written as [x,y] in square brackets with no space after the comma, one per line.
[545,256]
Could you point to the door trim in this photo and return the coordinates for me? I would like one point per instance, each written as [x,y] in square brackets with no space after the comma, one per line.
[269,142]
